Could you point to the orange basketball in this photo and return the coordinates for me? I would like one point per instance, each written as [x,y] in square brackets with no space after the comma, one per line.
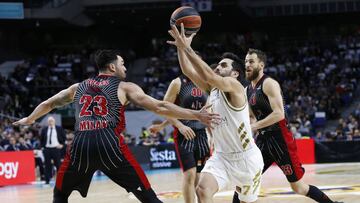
[189,17]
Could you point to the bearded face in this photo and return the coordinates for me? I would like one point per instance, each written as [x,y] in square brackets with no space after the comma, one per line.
[252,74]
[253,67]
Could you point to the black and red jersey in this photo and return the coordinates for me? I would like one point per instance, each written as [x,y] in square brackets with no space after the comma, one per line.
[259,103]
[97,105]
[191,97]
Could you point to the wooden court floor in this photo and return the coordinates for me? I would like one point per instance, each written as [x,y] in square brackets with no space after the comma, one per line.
[340,181]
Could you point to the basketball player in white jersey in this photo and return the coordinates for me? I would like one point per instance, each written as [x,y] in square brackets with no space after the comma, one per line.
[236,161]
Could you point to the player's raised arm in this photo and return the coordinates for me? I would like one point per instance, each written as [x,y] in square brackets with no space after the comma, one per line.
[202,69]
[188,70]
[136,95]
[62,98]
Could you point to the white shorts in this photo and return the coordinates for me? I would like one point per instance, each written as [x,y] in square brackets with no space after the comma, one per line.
[238,169]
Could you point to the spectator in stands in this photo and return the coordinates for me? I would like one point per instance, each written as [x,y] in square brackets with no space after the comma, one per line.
[156,138]
[295,133]
[349,136]
[170,138]
[357,112]
[330,136]
[145,137]
[319,137]
[146,141]
[305,126]
[144,132]
[129,139]
[344,129]
[12,146]
[356,134]
[23,145]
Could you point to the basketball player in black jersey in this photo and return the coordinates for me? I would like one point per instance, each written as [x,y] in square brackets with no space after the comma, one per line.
[98,144]
[190,136]
[275,141]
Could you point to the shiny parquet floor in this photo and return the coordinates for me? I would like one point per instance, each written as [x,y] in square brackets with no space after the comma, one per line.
[340,181]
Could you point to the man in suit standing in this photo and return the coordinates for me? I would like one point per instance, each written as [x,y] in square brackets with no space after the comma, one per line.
[52,141]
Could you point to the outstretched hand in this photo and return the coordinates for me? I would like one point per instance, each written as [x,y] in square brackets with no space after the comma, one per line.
[24,121]
[180,40]
[208,118]
[188,133]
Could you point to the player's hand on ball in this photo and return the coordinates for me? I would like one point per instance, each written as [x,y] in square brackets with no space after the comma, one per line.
[180,40]
[24,121]
[188,133]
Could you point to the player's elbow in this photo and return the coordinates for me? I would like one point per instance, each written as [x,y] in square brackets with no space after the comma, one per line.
[279,115]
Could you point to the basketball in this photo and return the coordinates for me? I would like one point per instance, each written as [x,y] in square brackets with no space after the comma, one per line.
[189,17]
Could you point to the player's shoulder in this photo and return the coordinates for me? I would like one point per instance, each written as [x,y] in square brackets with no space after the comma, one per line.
[175,84]
[270,84]
[127,85]
[235,83]
[176,81]
[270,81]
[73,87]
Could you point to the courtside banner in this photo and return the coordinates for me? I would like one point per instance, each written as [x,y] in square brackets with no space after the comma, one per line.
[163,156]
[17,167]
[306,150]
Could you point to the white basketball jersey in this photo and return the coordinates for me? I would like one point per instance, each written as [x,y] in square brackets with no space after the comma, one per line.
[233,133]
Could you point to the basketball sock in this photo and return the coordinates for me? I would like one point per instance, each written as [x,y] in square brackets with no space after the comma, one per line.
[236,198]
[314,193]
[317,195]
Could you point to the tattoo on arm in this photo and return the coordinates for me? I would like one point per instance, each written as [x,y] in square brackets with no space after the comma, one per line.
[60,99]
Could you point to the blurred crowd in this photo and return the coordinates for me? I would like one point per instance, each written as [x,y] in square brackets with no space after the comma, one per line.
[347,129]
[314,78]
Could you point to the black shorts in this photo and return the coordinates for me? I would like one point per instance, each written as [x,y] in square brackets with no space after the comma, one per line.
[192,153]
[279,146]
[92,152]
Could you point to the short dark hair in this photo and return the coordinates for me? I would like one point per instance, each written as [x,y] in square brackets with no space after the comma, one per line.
[213,65]
[104,57]
[237,64]
[260,54]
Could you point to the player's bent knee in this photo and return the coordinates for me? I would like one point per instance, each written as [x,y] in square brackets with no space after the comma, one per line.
[202,192]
